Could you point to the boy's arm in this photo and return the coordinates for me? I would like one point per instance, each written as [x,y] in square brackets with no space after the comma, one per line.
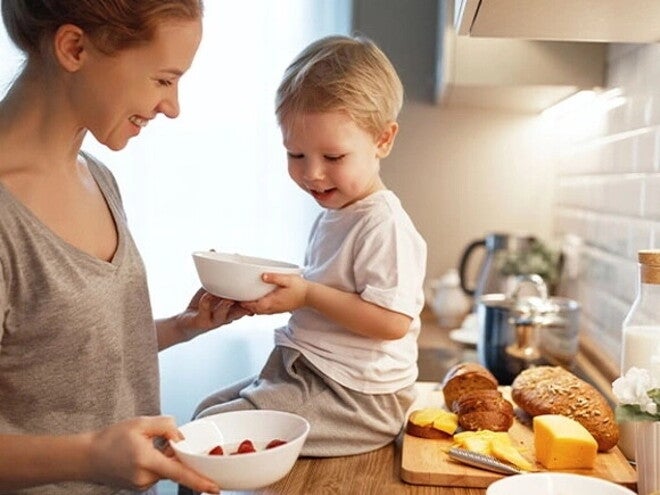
[346,308]
[360,316]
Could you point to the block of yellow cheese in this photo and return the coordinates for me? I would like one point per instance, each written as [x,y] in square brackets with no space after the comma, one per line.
[562,443]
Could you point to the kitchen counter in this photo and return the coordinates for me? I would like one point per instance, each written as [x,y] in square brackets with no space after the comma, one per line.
[379,471]
[376,472]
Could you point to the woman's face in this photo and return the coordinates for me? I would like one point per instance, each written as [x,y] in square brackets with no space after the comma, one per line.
[115,96]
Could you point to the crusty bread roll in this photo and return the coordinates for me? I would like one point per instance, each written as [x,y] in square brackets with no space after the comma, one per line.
[554,390]
[464,377]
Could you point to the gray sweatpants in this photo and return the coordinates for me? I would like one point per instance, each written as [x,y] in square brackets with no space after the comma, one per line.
[343,421]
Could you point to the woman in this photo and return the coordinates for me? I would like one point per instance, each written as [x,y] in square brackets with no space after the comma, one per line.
[79,398]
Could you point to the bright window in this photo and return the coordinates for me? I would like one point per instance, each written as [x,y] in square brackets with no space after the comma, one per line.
[216,177]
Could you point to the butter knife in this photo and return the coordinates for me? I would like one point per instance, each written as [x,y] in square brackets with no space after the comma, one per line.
[482,461]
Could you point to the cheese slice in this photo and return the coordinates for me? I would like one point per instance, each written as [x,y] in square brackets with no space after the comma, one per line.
[562,443]
[507,452]
[440,419]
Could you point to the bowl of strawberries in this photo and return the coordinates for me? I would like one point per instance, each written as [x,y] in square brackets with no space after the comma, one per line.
[243,450]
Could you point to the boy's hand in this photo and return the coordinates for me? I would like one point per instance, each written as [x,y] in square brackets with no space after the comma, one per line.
[289,295]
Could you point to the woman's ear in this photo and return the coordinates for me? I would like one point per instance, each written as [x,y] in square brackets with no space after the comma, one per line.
[385,141]
[68,47]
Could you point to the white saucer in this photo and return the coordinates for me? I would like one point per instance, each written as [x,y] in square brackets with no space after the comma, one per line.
[464,336]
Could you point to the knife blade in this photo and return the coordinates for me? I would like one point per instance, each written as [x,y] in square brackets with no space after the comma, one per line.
[482,461]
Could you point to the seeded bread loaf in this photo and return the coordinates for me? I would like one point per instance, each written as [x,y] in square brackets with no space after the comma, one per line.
[464,377]
[554,390]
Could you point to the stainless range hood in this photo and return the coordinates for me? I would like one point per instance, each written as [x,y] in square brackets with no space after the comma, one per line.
[620,21]
[437,66]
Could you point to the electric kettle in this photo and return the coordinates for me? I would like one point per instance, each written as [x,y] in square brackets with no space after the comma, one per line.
[489,279]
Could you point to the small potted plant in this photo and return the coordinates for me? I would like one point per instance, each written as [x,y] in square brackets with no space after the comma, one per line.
[638,397]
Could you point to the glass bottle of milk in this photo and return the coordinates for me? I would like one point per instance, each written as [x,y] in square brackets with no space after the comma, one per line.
[641,333]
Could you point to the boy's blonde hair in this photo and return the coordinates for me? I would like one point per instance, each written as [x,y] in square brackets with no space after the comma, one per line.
[342,73]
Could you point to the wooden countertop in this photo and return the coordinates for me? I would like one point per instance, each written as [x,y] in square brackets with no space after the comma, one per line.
[378,472]
[374,473]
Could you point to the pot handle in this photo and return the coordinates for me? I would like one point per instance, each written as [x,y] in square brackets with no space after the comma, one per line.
[533,278]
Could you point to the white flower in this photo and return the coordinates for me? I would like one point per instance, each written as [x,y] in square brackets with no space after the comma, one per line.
[633,389]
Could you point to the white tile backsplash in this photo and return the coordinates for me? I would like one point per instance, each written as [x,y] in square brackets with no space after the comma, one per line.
[608,192]
[651,198]
[645,151]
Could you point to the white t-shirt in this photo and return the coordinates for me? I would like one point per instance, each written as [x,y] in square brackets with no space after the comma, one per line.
[373,249]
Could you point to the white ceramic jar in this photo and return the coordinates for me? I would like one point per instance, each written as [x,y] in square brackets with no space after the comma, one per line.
[448,301]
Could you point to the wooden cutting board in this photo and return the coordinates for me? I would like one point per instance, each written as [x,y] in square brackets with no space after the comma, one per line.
[425,462]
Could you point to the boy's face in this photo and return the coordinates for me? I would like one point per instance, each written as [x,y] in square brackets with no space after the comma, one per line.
[333,159]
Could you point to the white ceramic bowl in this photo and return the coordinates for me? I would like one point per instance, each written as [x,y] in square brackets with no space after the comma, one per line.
[237,277]
[242,471]
[555,484]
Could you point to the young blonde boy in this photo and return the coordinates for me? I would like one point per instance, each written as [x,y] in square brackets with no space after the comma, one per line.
[347,359]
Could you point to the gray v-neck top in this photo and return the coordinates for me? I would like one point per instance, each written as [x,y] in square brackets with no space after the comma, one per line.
[78,347]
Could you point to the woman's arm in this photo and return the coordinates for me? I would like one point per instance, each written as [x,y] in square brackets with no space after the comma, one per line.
[205,312]
[346,308]
[122,455]
[34,460]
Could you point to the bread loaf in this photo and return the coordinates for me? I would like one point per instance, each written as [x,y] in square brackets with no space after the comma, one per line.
[483,410]
[470,391]
[554,390]
[481,400]
[486,420]
[464,377]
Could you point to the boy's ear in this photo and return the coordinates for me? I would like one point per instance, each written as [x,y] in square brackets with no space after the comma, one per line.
[385,141]
[68,47]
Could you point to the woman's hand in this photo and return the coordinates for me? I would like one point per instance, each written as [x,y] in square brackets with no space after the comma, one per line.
[205,312]
[290,294]
[124,455]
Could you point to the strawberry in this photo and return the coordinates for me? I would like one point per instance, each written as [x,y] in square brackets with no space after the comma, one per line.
[217,450]
[275,443]
[245,447]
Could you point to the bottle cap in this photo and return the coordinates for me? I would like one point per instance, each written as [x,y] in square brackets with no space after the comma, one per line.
[649,260]
[649,256]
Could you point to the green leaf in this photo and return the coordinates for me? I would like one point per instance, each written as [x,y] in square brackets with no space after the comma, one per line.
[655,395]
[629,412]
